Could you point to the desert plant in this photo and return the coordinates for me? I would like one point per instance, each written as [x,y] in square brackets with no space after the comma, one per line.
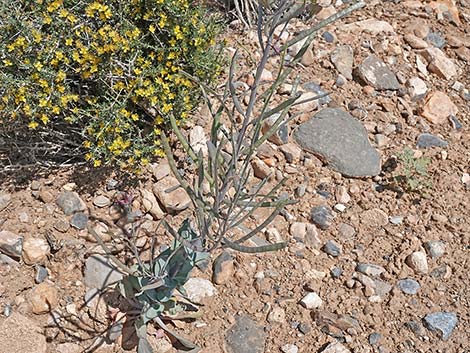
[81,74]
[222,192]
[413,174]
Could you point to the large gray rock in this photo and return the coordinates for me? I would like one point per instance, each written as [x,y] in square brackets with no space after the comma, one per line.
[341,140]
[245,337]
[100,272]
[376,73]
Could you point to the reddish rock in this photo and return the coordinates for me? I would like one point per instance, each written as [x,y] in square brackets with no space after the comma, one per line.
[44,298]
[439,63]
[438,108]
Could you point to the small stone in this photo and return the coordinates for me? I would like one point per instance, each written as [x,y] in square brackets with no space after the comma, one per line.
[312,238]
[291,152]
[336,272]
[35,185]
[298,230]
[418,262]
[417,88]
[377,74]
[428,140]
[307,102]
[311,301]
[169,192]
[316,88]
[44,298]
[346,231]
[439,63]
[223,268]
[328,37]
[409,286]
[277,315]
[370,269]
[35,250]
[374,218]
[332,248]
[61,225]
[11,244]
[21,335]
[374,338]
[101,201]
[456,124]
[4,200]
[289,348]
[79,220]
[198,288]
[69,202]
[438,108]
[335,348]
[441,322]
[381,140]
[41,274]
[436,40]
[322,216]
[281,135]
[245,336]
[371,25]
[415,42]
[341,195]
[340,207]
[151,205]
[435,249]
[100,272]
[260,169]
[396,220]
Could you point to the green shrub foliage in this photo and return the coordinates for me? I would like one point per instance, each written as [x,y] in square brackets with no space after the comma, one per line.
[113,68]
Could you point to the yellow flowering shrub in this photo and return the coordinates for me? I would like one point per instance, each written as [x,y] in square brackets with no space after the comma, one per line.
[113,68]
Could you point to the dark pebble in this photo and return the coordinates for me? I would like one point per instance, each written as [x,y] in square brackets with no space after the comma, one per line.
[336,272]
[41,274]
[79,220]
[322,216]
[330,38]
[456,124]
[374,338]
[332,248]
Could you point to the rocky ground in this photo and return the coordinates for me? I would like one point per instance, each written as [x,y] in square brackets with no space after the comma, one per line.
[371,265]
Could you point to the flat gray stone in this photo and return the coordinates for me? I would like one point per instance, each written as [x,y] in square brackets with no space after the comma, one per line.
[69,202]
[341,140]
[322,216]
[409,286]
[100,272]
[245,336]
[332,248]
[376,73]
[441,322]
[428,140]
[79,220]
[343,59]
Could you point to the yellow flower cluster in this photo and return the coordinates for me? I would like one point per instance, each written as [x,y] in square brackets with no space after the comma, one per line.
[116,69]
